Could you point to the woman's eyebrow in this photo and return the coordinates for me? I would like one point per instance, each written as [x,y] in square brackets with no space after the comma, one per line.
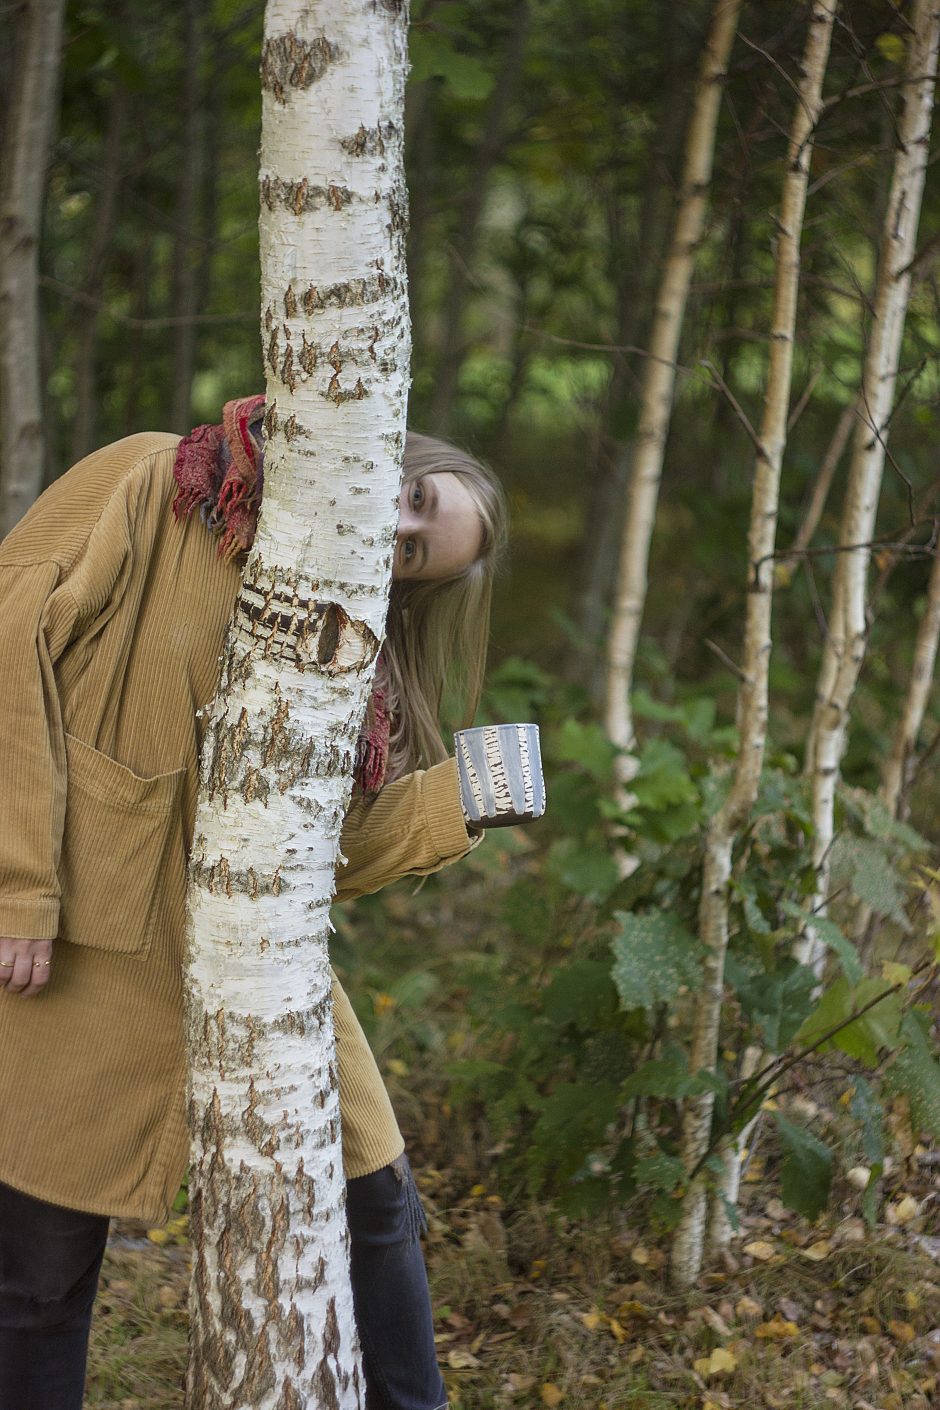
[433,498]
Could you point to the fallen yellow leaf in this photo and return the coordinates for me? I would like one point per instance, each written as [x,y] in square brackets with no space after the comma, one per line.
[158,1237]
[551,1394]
[617,1331]
[591,1320]
[901,1331]
[761,1250]
[640,1255]
[383,1003]
[776,1330]
[818,1251]
[720,1363]
[747,1308]
[870,1325]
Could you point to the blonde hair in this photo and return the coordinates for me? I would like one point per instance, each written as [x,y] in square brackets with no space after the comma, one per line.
[437,631]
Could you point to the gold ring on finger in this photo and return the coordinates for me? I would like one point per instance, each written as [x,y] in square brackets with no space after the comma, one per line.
[41,963]
[7,964]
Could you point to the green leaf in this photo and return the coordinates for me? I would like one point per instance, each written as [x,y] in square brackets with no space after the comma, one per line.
[586,870]
[832,937]
[586,745]
[663,779]
[915,1072]
[872,876]
[667,1076]
[807,1169]
[581,993]
[866,1108]
[659,1171]
[573,1121]
[864,1037]
[778,1001]
[654,956]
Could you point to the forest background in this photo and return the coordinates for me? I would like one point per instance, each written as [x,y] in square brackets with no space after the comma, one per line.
[530,1024]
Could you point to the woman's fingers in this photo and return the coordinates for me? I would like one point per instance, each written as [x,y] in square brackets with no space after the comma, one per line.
[25,966]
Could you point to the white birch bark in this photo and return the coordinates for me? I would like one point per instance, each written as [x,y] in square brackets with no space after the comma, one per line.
[272,1319]
[29,128]
[848,626]
[726,824]
[658,384]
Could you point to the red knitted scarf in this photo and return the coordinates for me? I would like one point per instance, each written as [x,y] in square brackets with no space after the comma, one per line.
[220,471]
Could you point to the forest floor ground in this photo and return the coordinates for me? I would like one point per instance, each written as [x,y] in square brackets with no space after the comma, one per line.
[534,1309]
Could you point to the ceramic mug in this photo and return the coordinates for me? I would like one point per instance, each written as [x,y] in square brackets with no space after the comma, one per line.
[500,772]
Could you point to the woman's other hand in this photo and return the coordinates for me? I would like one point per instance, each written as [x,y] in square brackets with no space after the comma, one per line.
[25,966]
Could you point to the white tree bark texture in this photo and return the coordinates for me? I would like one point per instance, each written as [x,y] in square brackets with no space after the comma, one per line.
[659,379]
[725,826]
[844,651]
[29,128]
[272,1317]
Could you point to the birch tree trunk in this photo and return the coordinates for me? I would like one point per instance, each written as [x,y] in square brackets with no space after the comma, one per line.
[658,383]
[272,1319]
[896,776]
[726,824]
[28,136]
[848,625]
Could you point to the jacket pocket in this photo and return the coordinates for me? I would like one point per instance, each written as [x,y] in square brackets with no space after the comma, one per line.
[119,831]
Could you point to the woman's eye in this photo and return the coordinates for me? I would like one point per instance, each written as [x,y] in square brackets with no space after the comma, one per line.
[417,495]
[408,550]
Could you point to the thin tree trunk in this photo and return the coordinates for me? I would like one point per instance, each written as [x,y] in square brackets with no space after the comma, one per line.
[633,277]
[726,824]
[186,262]
[848,627]
[659,382]
[896,776]
[272,1319]
[492,146]
[28,133]
[823,483]
[87,317]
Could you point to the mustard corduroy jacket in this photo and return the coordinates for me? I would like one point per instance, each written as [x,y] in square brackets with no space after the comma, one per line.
[111,626]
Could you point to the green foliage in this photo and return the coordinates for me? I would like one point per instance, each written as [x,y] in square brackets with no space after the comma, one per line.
[807,1169]
[655,957]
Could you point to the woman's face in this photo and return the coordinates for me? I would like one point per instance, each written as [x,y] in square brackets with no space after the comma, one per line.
[439,529]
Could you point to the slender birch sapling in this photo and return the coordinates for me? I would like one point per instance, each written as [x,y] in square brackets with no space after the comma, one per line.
[844,650]
[659,378]
[726,824]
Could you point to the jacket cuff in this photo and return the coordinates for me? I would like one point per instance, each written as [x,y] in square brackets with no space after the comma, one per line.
[36,918]
[447,826]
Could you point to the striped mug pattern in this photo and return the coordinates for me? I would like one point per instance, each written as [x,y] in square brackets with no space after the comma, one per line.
[500,771]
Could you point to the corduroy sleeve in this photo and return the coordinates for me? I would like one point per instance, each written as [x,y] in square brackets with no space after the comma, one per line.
[412,827]
[36,616]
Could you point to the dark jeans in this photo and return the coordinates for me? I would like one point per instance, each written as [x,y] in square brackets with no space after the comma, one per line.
[49,1264]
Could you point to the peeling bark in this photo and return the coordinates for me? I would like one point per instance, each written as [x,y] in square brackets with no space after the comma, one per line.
[272,1322]
[725,825]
